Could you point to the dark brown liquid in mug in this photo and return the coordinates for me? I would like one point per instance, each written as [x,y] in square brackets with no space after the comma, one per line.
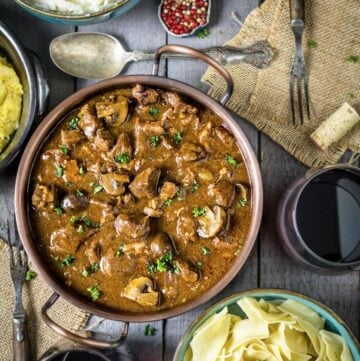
[328,216]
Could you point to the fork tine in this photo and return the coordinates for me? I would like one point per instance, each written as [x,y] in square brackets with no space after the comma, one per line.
[292,100]
[299,93]
[306,88]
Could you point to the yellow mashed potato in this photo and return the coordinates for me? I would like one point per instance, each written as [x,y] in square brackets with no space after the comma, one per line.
[10,102]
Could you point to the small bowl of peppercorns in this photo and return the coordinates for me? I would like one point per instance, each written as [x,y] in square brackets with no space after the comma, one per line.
[183,18]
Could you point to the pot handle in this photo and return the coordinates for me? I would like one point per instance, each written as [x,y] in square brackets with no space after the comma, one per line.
[88,342]
[42,83]
[197,55]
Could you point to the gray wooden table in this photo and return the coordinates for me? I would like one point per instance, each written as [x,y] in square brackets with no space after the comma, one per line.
[268,266]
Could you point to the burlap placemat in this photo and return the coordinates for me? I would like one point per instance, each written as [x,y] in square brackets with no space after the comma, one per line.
[262,96]
[35,293]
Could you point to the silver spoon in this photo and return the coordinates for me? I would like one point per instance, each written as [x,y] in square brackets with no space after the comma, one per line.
[101,56]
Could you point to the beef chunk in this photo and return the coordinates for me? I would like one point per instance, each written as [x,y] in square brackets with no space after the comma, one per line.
[145,96]
[122,146]
[160,244]
[224,136]
[71,171]
[104,140]
[145,183]
[110,264]
[114,183]
[186,226]
[190,152]
[187,271]
[89,123]
[143,131]
[74,203]
[44,197]
[132,226]
[71,137]
[168,190]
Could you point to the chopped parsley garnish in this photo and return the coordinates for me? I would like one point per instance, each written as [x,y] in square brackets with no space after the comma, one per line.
[73,123]
[198,212]
[161,266]
[85,273]
[149,330]
[98,189]
[205,251]
[80,229]
[166,263]
[194,187]
[79,193]
[94,267]
[59,171]
[151,267]
[120,250]
[237,252]
[122,158]
[64,148]
[352,59]
[242,202]
[68,260]
[30,275]
[180,195]
[94,293]
[59,211]
[154,111]
[203,33]
[89,271]
[177,138]
[231,160]
[92,184]
[154,140]
[168,202]
[73,219]
[81,170]
[312,44]
[85,218]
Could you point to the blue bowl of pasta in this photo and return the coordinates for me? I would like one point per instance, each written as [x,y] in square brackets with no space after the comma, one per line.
[271,325]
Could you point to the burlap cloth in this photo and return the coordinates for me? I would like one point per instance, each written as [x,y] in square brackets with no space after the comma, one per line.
[35,293]
[262,96]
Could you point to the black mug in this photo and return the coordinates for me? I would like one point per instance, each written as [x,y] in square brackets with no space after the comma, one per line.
[319,210]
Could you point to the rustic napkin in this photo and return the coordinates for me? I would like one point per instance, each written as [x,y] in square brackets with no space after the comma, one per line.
[35,294]
[262,96]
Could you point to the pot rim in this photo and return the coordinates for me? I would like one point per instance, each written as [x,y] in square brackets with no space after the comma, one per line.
[313,174]
[56,116]
[262,292]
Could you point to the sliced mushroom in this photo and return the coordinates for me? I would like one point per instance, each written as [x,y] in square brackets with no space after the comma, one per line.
[132,226]
[114,183]
[113,112]
[141,290]
[160,244]
[145,183]
[212,222]
[223,193]
[44,197]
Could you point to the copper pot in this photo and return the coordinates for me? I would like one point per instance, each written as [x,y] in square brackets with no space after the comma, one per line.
[41,134]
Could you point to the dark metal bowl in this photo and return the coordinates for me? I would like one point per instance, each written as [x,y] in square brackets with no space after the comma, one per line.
[35,88]
[42,133]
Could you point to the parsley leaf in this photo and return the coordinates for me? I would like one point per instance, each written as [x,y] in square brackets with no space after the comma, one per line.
[120,250]
[203,33]
[98,189]
[242,202]
[85,273]
[122,158]
[231,160]
[73,123]
[59,211]
[195,187]
[168,202]
[154,111]
[81,170]
[80,229]
[177,138]
[79,193]
[59,171]
[68,260]
[151,267]
[73,219]
[64,148]
[94,293]
[154,140]
[352,59]
[205,251]
[149,330]
[197,212]
[94,267]
[312,44]
[30,275]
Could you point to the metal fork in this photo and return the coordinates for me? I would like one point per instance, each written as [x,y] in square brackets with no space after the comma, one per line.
[18,269]
[298,73]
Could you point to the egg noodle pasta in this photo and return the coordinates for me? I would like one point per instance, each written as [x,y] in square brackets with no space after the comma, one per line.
[273,331]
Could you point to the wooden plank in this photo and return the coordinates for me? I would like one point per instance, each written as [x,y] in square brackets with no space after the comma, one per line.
[137,30]
[221,29]
[339,292]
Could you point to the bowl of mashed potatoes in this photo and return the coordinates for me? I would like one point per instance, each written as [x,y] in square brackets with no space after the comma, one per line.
[23,94]
[77,12]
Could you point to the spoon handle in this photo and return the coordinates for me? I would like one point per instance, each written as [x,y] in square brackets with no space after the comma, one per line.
[258,55]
